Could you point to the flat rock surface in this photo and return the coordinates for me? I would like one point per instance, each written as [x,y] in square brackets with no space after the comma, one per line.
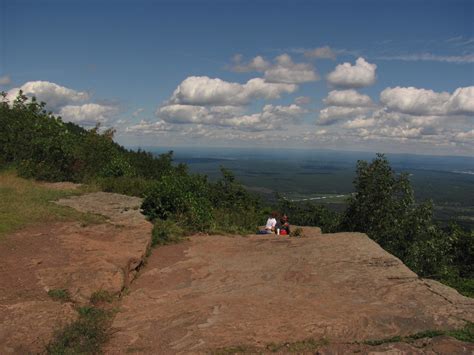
[220,291]
[80,259]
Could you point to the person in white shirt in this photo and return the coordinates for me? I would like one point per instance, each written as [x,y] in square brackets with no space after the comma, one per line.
[271,222]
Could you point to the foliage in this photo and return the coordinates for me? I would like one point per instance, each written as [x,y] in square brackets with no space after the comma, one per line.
[382,203]
[297,232]
[181,197]
[59,295]
[166,232]
[384,208]
[44,147]
[126,185]
[84,336]
[198,205]
[308,214]
[465,333]
[101,296]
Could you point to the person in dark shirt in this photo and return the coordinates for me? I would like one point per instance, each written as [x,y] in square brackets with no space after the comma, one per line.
[284,225]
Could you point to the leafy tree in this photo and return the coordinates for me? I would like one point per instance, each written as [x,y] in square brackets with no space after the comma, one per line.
[382,203]
[180,197]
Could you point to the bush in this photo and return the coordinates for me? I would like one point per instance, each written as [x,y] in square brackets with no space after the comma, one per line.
[132,186]
[166,232]
[84,336]
[44,147]
[309,214]
[181,197]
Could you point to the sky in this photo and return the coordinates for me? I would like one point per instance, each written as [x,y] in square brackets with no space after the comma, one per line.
[369,75]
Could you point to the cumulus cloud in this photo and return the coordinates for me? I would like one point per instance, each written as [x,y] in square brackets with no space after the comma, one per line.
[349,98]
[360,123]
[270,117]
[321,53]
[462,101]
[283,70]
[258,64]
[353,76]
[288,72]
[202,90]
[465,136]
[333,114]
[54,95]
[416,101]
[87,114]
[146,127]
[5,80]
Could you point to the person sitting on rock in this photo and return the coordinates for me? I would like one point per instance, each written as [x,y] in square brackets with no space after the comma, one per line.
[284,225]
[271,222]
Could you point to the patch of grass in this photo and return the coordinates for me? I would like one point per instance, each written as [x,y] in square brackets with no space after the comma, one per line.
[60,294]
[297,232]
[238,349]
[101,296]
[166,232]
[25,202]
[303,346]
[306,345]
[464,286]
[464,334]
[84,336]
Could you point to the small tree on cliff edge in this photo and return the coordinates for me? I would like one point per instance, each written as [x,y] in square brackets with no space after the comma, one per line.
[382,203]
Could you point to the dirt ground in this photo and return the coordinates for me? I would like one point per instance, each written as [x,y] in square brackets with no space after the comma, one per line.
[219,292]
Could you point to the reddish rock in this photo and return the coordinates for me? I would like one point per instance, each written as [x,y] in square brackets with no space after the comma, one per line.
[67,256]
[222,291]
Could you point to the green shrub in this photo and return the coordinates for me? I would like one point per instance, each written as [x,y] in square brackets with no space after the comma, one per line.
[84,336]
[166,232]
[101,296]
[126,185]
[181,197]
[60,295]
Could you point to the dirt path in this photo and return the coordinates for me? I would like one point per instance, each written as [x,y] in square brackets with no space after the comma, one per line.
[70,256]
[218,291]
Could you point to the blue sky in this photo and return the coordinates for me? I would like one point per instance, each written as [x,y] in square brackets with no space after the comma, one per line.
[404,82]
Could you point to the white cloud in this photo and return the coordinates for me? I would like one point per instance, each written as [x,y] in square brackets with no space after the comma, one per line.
[145,127]
[284,70]
[5,80]
[87,114]
[349,98]
[465,136]
[322,53]
[332,114]
[258,64]
[462,101]
[202,90]
[360,123]
[288,72]
[429,57]
[270,117]
[54,95]
[353,76]
[416,101]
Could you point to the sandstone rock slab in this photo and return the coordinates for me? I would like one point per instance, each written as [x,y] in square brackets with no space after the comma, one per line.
[80,259]
[221,291]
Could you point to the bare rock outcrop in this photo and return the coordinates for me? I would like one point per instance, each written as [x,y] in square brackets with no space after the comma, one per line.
[67,256]
[222,291]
